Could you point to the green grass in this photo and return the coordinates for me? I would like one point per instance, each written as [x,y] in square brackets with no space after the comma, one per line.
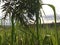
[25,36]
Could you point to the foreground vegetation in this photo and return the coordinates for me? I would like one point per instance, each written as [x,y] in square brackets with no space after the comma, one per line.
[23,36]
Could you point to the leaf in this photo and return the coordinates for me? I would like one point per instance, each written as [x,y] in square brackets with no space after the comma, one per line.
[53,8]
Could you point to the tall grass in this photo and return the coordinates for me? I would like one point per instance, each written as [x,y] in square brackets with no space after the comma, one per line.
[24,37]
[12,31]
[31,35]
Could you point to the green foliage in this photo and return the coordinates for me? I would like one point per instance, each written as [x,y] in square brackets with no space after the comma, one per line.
[24,34]
[47,40]
[0,40]
[24,37]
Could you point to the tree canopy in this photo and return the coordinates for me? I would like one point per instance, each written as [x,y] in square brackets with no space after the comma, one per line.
[18,8]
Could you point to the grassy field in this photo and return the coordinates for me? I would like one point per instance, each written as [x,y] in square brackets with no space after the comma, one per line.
[27,36]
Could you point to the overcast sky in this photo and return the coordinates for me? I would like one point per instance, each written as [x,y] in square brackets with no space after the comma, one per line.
[48,10]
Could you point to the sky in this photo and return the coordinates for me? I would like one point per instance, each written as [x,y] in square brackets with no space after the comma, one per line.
[1,14]
[48,10]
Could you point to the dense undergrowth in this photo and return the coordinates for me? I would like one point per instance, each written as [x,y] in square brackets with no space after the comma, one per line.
[20,33]
[23,36]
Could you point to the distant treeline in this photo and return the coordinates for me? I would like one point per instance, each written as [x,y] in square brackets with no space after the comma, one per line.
[50,25]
